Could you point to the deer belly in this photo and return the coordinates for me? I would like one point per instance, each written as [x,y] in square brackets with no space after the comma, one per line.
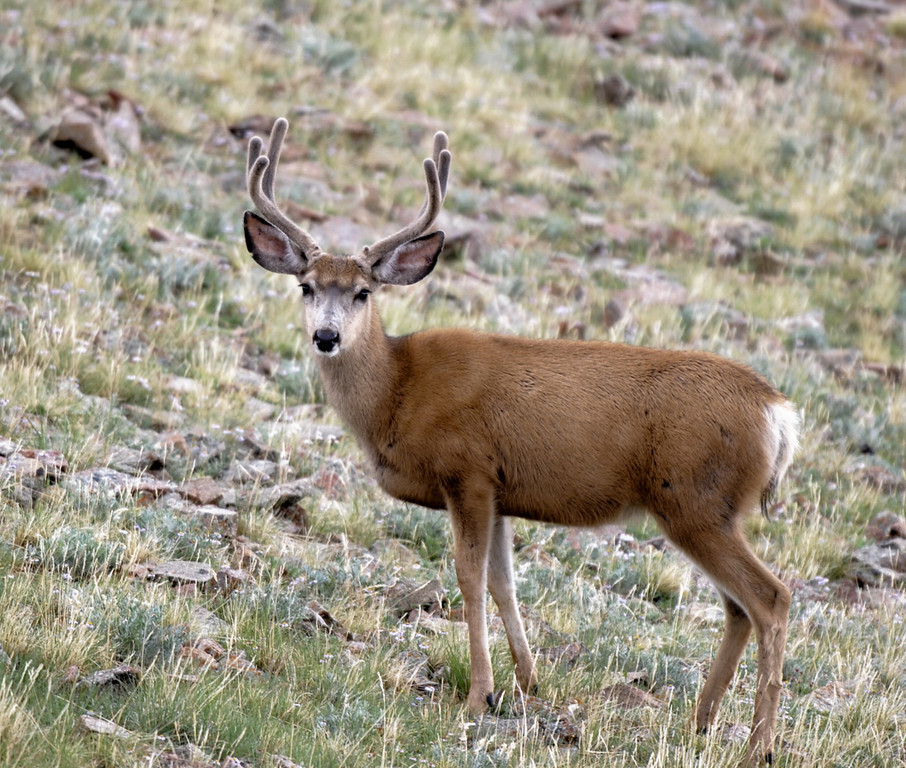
[415,490]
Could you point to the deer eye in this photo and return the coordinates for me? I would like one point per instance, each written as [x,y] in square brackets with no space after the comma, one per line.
[363,295]
[306,289]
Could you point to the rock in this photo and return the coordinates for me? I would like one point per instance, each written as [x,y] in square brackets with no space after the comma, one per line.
[93,724]
[411,670]
[223,521]
[134,462]
[280,761]
[255,472]
[614,311]
[185,756]
[880,564]
[308,430]
[259,410]
[841,362]
[628,696]
[436,625]
[13,111]
[326,622]
[738,236]
[159,420]
[181,385]
[202,491]
[406,594]
[882,479]
[614,90]
[833,697]
[279,497]
[107,480]
[121,675]
[81,131]
[619,20]
[230,579]
[568,654]
[886,525]
[536,719]
[735,733]
[184,571]
[205,623]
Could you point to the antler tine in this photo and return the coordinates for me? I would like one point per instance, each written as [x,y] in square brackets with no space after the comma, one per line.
[262,170]
[442,159]
[437,171]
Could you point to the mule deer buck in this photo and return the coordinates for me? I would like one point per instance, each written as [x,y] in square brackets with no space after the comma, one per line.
[572,432]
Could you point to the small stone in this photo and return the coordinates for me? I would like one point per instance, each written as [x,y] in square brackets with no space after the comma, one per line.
[223,521]
[185,571]
[94,724]
[255,472]
[132,461]
[619,20]
[886,525]
[230,579]
[180,385]
[881,564]
[568,654]
[204,622]
[117,676]
[202,491]
[629,697]
[404,595]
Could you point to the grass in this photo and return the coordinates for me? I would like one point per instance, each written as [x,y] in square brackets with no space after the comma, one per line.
[112,338]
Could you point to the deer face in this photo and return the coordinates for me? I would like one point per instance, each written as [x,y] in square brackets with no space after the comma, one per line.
[336,297]
[336,290]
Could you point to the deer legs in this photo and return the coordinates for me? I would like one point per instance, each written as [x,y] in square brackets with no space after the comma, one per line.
[753,599]
[472,519]
[482,544]
[503,589]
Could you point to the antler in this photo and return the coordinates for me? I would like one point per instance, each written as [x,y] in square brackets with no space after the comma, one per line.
[437,171]
[261,171]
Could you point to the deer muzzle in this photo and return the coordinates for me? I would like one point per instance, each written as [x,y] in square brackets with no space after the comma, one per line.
[327,341]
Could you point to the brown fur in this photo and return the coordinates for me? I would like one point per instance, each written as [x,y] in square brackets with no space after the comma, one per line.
[568,432]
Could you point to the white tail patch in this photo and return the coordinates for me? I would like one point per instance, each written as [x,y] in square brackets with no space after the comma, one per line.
[783,423]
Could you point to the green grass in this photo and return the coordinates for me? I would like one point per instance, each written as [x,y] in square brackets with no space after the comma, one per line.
[110,337]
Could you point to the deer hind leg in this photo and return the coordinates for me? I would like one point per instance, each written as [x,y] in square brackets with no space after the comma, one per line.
[748,585]
[737,629]
[472,516]
[503,589]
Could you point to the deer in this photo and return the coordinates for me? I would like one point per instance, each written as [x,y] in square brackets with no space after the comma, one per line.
[493,427]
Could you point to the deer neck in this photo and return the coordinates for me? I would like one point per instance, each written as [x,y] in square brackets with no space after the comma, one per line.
[361,381]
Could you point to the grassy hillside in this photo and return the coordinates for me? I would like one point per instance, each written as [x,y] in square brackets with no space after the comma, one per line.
[721,176]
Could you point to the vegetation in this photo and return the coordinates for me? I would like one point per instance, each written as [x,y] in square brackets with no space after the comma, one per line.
[723,176]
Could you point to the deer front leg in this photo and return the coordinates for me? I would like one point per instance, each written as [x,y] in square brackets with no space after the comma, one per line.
[472,516]
[503,589]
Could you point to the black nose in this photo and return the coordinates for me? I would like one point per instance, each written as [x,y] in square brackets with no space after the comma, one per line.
[326,339]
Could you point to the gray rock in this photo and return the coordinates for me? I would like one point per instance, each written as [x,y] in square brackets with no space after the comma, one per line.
[94,724]
[184,571]
[407,594]
[881,564]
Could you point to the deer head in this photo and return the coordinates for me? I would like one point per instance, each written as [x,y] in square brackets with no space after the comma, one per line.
[336,288]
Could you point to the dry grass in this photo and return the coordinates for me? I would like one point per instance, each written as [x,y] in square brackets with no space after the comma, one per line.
[111,338]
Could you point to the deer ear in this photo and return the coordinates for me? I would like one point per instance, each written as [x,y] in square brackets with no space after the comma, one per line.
[410,262]
[271,248]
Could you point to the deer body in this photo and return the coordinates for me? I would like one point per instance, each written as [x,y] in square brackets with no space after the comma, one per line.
[568,432]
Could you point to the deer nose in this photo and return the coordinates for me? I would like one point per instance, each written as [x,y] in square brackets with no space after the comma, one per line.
[326,339]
